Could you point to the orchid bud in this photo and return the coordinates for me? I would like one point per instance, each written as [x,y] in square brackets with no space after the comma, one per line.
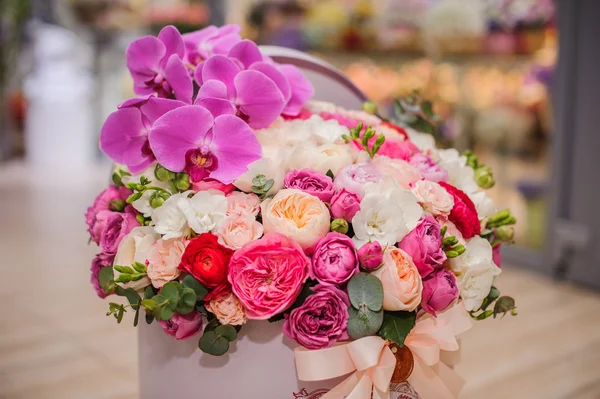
[182,181]
[162,173]
[339,225]
[158,198]
[484,177]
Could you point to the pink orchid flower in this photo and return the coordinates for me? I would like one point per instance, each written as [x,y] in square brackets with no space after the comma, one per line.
[202,44]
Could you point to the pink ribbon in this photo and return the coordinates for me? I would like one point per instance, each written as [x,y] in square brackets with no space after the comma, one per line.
[372,362]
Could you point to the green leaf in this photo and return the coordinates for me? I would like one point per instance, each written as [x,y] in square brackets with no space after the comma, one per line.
[190,282]
[149,292]
[330,174]
[106,279]
[268,185]
[397,325]
[164,313]
[201,308]
[149,318]
[492,296]
[149,304]
[484,315]
[120,313]
[363,322]
[133,197]
[212,324]
[170,291]
[187,301]
[365,290]
[503,305]
[213,343]
[132,296]
[137,316]
[226,331]
[427,108]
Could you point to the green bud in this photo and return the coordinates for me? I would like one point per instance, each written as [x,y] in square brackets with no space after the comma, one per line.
[369,134]
[499,216]
[509,220]
[158,198]
[117,205]
[116,178]
[503,305]
[339,225]
[452,254]
[370,107]
[162,173]
[443,231]
[472,160]
[182,181]
[141,219]
[355,133]
[484,177]
[449,241]
[346,138]
[123,278]
[505,233]
[460,249]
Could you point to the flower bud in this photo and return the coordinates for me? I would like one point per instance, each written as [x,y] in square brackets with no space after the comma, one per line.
[339,225]
[162,173]
[499,216]
[449,241]
[484,177]
[370,256]
[158,198]
[117,205]
[505,233]
[182,181]
[370,107]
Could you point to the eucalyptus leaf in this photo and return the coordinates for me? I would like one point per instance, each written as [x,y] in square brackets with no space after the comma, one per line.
[137,316]
[149,318]
[213,343]
[149,292]
[132,296]
[190,282]
[106,279]
[227,331]
[365,291]
[164,313]
[363,322]
[397,325]
[211,325]
[171,291]
[149,304]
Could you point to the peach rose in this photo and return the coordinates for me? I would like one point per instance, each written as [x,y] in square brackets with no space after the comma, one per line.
[163,260]
[402,285]
[228,310]
[433,197]
[298,215]
[401,171]
[240,203]
[235,231]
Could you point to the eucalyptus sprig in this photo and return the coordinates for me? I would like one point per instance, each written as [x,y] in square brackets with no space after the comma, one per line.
[262,185]
[502,306]
[417,113]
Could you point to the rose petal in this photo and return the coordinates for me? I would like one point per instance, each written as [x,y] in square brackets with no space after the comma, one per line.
[179,79]
[259,98]
[247,52]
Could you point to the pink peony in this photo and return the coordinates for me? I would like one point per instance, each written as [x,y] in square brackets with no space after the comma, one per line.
[267,275]
[334,260]
[98,213]
[312,182]
[439,291]
[183,326]
[118,225]
[424,245]
[344,205]
[428,168]
[322,319]
[370,256]
[353,178]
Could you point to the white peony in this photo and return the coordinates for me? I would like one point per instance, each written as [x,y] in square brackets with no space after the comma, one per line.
[484,204]
[204,210]
[460,174]
[142,204]
[475,271]
[324,157]
[134,248]
[387,214]
[169,218]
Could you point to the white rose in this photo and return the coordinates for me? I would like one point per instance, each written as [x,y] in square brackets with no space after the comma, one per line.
[387,214]
[433,197]
[484,204]
[169,219]
[142,204]
[324,157]
[134,248]
[475,271]
[460,174]
[204,210]
[236,230]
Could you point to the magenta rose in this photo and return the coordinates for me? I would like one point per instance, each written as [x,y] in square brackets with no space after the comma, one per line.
[344,205]
[334,260]
[439,291]
[118,225]
[370,256]
[312,182]
[183,326]
[267,275]
[97,214]
[428,168]
[321,320]
[424,245]
[100,261]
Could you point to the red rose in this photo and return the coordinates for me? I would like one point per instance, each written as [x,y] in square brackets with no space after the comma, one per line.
[464,213]
[206,260]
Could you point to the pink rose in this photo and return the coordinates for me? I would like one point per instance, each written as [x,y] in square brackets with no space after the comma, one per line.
[227,309]
[310,181]
[334,260]
[235,231]
[211,184]
[183,326]
[344,205]
[370,256]
[401,171]
[97,214]
[402,285]
[118,225]
[424,245]
[433,197]
[163,260]
[267,275]
[428,168]
[239,203]
[439,291]
[321,320]
[98,263]
[398,149]
[353,178]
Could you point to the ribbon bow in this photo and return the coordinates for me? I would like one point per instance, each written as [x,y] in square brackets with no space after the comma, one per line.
[373,363]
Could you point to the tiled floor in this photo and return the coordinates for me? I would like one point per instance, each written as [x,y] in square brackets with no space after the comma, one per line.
[56,342]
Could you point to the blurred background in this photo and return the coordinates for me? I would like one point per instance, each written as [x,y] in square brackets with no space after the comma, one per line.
[499,85]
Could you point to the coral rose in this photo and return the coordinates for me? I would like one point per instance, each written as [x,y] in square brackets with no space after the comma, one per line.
[206,260]
[236,230]
[228,309]
[267,275]
[298,215]
[163,260]
[402,285]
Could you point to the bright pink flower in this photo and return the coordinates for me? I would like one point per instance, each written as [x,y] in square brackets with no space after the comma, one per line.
[428,168]
[344,205]
[439,291]
[207,145]
[464,213]
[497,255]
[124,135]
[98,213]
[202,44]
[118,225]
[424,245]
[183,326]
[334,260]
[267,275]
[98,263]
[156,66]
[370,256]
[312,182]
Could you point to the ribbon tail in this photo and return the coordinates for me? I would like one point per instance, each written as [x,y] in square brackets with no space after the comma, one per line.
[357,386]
[435,382]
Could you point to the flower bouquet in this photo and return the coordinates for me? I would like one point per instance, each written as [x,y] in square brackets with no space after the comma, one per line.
[248,220]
